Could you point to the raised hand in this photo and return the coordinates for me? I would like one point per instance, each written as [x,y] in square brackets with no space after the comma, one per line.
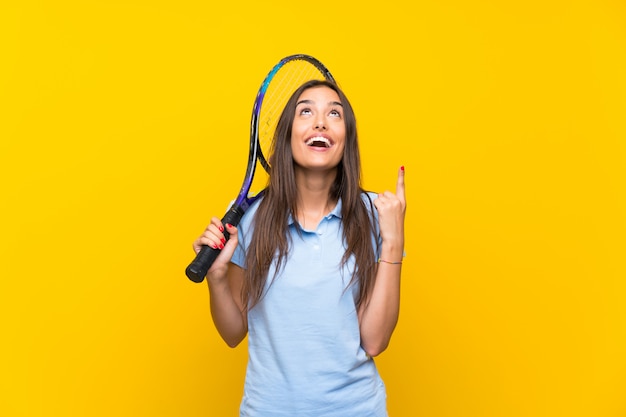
[391,212]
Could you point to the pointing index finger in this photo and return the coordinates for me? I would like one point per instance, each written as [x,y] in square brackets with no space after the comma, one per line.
[400,185]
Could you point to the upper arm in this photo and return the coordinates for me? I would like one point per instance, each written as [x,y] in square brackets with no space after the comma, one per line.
[236,276]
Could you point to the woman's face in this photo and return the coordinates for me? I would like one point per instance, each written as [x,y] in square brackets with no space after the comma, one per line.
[318,132]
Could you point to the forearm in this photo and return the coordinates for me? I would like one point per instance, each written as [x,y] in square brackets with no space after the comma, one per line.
[379,316]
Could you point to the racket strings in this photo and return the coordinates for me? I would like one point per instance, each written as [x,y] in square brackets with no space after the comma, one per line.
[283,84]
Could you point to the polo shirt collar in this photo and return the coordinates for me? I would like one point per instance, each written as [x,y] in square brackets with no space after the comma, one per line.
[336,212]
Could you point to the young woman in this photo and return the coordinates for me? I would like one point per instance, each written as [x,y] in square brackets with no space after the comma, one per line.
[312,273]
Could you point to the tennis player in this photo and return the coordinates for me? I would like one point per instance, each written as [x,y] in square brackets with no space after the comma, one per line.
[311,275]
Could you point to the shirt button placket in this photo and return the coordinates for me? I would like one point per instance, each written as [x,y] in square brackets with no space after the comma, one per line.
[317,245]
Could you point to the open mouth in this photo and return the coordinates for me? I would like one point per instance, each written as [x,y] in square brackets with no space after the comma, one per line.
[318,142]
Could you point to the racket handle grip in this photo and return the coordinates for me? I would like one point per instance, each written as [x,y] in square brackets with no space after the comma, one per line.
[197,269]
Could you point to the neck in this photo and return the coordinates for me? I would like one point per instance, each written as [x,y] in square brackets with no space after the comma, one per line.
[314,199]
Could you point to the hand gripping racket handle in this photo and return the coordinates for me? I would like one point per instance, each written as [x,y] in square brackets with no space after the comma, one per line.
[197,269]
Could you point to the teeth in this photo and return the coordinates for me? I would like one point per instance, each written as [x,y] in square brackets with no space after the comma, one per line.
[318,139]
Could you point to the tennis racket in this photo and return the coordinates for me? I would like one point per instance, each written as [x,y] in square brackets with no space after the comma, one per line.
[286,76]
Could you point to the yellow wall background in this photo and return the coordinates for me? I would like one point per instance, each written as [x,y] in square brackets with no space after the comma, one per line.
[123,128]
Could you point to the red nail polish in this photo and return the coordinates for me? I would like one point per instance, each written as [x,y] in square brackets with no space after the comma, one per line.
[229,225]
[223,240]
[221,228]
[402,167]
[221,246]
[214,246]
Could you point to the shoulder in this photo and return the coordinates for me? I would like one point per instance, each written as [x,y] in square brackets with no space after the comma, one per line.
[245,229]
[368,198]
[367,203]
[246,224]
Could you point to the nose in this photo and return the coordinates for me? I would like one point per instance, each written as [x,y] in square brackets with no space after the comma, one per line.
[320,123]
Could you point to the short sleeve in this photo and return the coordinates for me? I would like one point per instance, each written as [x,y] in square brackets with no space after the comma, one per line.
[368,199]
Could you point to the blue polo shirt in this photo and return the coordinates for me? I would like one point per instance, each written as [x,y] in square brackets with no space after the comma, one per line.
[304,347]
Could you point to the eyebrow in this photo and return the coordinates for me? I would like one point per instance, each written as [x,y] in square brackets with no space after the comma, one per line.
[332,103]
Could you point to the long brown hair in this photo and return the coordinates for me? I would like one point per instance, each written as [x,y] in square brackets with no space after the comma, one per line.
[270,237]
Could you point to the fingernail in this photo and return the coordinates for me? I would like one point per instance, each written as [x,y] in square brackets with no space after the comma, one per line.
[221,246]
[223,240]
[221,228]
[229,225]
[214,246]
[402,167]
